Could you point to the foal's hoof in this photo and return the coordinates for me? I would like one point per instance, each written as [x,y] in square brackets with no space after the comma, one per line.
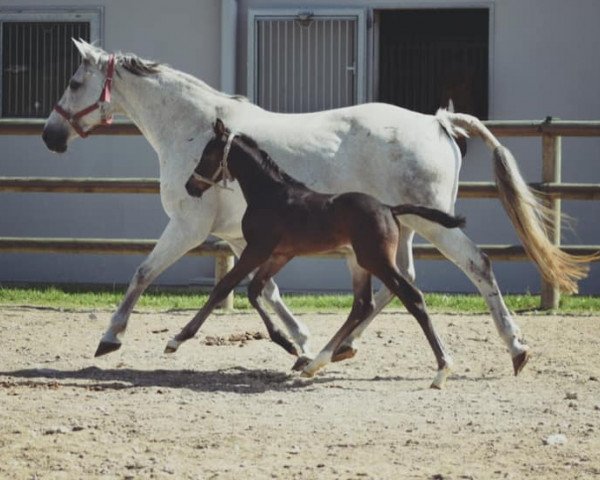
[319,362]
[307,374]
[301,363]
[438,385]
[343,353]
[172,346]
[106,347]
[520,361]
[439,382]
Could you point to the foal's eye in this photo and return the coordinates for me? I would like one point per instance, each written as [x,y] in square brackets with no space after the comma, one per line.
[74,84]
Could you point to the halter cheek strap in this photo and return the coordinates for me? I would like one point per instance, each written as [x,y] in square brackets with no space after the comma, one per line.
[223,167]
[104,99]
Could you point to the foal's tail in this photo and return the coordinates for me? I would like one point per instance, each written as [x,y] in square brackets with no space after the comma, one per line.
[432,214]
[527,213]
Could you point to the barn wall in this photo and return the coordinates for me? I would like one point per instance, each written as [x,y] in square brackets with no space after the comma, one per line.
[186,35]
[543,62]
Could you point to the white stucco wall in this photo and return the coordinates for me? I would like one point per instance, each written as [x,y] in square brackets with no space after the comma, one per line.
[544,61]
[182,33]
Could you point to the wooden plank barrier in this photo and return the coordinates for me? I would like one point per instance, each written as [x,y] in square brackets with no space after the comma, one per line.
[117,246]
[566,191]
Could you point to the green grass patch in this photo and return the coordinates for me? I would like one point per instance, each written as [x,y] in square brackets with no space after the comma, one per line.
[82,298]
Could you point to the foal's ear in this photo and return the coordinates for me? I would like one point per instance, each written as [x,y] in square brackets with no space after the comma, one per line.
[220,129]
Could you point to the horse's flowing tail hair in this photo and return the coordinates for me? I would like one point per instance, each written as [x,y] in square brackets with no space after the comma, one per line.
[527,213]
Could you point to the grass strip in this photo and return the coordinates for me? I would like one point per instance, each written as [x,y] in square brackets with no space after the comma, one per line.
[95,298]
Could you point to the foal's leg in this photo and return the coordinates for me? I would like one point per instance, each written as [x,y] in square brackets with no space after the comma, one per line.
[178,237]
[383,296]
[249,260]
[362,307]
[261,277]
[456,246]
[297,330]
[413,300]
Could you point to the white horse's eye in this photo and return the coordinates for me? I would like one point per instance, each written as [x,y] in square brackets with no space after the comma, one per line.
[74,84]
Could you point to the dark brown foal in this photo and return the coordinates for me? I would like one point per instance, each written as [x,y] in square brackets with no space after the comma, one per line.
[284,218]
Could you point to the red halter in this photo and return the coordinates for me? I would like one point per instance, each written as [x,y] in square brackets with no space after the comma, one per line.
[73,119]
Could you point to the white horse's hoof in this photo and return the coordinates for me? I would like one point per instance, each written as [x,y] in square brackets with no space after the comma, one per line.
[520,360]
[172,346]
[109,343]
[105,347]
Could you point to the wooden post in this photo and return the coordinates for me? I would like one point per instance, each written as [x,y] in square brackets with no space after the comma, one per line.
[224,264]
[551,173]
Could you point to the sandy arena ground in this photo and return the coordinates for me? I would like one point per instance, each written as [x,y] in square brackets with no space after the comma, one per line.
[229,406]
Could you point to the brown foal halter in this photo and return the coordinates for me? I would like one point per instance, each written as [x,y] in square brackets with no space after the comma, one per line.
[223,167]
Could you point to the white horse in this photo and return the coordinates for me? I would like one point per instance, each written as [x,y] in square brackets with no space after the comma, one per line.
[397,155]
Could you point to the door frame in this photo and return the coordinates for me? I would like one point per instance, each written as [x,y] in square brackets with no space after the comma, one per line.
[285,13]
[375,9]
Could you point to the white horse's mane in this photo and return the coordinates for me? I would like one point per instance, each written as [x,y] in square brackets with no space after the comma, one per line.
[144,67]
[141,67]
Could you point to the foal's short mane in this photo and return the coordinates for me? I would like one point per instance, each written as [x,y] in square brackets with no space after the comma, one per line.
[267,162]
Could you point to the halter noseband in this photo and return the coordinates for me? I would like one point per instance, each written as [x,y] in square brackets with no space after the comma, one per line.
[104,98]
[222,168]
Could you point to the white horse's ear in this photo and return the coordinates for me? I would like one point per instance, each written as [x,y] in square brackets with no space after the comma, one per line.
[450,107]
[88,52]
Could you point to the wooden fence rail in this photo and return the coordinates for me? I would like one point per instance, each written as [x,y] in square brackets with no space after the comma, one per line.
[566,191]
[549,130]
[128,246]
[500,128]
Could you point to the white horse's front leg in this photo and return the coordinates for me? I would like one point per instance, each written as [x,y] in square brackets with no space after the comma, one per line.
[297,330]
[176,240]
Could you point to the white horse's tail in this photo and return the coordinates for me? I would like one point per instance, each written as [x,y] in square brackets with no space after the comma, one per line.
[528,214]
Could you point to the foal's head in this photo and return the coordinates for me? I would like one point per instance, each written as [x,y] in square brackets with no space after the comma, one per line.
[212,167]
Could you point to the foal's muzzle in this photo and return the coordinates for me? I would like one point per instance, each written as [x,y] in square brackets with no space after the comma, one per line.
[55,137]
[193,189]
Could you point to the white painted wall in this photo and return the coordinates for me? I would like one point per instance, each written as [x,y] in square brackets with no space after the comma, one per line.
[182,33]
[544,62]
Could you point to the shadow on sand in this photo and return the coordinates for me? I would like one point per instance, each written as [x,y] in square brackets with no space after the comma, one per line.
[234,380]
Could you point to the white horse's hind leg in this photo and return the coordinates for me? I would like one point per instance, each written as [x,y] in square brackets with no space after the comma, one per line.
[406,265]
[458,248]
[176,240]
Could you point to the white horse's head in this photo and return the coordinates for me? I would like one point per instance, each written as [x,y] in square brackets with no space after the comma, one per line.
[84,103]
